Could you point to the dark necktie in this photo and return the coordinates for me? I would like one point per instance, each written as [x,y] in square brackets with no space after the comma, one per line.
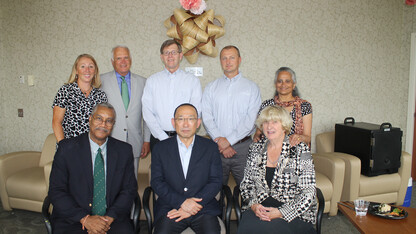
[99,203]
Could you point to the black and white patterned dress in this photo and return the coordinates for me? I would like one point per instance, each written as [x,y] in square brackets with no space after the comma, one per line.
[77,107]
[293,182]
[305,107]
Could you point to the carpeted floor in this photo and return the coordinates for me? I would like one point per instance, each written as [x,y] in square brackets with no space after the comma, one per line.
[22,222]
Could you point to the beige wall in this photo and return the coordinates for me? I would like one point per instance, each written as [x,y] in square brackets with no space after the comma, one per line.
[351,56]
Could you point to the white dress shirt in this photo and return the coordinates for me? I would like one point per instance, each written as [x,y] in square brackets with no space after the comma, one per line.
[94,149]
[163,92]
[185,154]
[229,107]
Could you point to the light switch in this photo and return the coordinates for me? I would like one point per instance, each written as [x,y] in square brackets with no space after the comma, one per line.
[21,79]
[30,80]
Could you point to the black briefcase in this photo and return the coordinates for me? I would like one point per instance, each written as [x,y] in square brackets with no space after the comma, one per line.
[379,147]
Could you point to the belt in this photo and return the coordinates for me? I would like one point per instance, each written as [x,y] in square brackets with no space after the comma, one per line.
[170,133]
[242,140]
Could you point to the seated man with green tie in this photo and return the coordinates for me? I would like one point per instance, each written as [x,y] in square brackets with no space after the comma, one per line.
[92,182]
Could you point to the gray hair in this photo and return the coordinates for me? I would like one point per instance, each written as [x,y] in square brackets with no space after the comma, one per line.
[292,73]
[285,69]
[106,105]
[116,47]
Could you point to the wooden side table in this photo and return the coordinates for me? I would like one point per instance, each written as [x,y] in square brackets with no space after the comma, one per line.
[374,224]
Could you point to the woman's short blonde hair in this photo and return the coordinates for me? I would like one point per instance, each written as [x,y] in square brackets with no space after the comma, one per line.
[96,81]
[275,113]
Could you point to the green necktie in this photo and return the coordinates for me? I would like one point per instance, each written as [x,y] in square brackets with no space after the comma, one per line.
[125,92]
[98,202]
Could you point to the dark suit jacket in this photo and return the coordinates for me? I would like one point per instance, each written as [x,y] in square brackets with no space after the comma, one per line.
[71,180]
[204,178]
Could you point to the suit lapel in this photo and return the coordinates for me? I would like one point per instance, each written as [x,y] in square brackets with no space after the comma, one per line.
[195,156]
[86,160]
[177,158]
[111,165]
[133,90]
[116,89]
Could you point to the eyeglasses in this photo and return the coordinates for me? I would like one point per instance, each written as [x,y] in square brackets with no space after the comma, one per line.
[181,120]
[173,52]
[99,120]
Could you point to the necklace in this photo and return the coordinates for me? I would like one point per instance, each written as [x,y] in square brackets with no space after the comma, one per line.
[86,91]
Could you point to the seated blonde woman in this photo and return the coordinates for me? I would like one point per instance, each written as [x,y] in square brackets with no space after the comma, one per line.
[278,188]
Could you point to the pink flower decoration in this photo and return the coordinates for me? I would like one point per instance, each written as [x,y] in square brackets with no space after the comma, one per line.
[410,2]
[188,4]
[195,6]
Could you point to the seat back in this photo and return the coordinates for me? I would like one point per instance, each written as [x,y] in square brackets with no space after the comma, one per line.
[325,142]
[48,150]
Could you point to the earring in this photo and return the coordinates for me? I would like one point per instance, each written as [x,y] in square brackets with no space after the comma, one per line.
[76,76]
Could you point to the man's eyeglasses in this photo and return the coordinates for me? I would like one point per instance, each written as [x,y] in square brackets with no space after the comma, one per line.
[181,120]
[99,120]
[173,52]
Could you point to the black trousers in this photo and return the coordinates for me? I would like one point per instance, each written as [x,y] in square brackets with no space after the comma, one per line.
[200,224]
[123,226]
[250,223]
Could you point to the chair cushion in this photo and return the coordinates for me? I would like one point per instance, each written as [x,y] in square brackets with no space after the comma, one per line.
[325,185]
[27,184]
[387,183]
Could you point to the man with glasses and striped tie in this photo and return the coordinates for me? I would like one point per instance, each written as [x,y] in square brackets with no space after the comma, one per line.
[92,183]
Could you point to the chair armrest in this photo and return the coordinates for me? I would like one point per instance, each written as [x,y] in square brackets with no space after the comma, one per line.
[226,192]
[404,172]
[47,171]
[146,207]
[10,164]
[136,214]
[350,190]
[334,169]
[46,215]
[321,202]
[237,203]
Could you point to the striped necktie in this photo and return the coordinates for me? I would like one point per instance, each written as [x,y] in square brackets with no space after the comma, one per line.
[98,202]
[125,92]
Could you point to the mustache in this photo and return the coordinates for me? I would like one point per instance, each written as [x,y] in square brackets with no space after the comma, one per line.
[102,129]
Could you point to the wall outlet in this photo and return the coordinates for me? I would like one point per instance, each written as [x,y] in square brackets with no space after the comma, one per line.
[19,112]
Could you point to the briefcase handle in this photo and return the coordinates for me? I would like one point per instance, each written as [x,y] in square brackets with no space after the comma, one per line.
[385,126]
[349,120]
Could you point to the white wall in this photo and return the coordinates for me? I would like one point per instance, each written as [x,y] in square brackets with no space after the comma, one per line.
[351,57]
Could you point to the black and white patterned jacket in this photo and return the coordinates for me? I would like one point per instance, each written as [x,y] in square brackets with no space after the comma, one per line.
[293,182]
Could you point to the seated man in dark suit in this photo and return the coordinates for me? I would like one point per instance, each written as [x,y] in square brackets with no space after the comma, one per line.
[92,182]
[186,176]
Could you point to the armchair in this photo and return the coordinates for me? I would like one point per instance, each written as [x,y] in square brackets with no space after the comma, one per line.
[387,188]
[24,179]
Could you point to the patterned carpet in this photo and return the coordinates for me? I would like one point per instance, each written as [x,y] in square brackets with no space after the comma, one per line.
[22,222]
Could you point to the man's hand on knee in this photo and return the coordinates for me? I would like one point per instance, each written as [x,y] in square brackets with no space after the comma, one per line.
[191,205]
[180,214]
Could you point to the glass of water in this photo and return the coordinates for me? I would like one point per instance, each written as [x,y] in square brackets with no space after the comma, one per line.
[361,207]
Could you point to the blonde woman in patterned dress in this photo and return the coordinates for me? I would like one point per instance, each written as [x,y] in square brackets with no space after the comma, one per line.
[278,188]
[75,100]
[287,96]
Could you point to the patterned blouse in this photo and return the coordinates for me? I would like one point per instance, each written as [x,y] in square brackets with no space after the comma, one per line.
[306,109]
[293,182]
[77,107]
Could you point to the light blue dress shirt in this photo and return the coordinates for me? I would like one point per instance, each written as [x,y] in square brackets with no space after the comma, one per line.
[230,107]
[94,149]
[185,154]
[163,92]
[128,81]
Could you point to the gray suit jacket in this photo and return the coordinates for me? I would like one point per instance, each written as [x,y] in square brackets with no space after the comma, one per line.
[127,122]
